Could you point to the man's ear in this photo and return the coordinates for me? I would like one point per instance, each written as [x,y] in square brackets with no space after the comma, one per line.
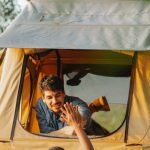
[43,98]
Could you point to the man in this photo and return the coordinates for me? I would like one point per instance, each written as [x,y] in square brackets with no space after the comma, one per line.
[48,108]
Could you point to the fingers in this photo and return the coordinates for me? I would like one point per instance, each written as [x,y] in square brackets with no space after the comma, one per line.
[78,116]
[70,114]
[63,110]
[72,108]
[76,108]
[69,108]
[63,118]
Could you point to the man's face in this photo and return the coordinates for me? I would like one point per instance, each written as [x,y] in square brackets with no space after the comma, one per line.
[54,99]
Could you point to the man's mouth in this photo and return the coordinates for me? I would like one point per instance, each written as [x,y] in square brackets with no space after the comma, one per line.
[57,105]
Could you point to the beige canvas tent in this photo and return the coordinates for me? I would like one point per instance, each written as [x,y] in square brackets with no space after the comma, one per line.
[105,38]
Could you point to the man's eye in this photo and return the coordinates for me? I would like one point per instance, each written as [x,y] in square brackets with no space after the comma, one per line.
[49,97]
[57,95]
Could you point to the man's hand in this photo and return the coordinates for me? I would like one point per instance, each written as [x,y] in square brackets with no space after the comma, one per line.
[74,119]
[71,115]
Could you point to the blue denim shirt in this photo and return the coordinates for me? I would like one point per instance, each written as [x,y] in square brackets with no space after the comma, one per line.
[48,121]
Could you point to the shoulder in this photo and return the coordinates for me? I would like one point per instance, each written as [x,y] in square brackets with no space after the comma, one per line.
[39,104]
[75,100]
[39,101]
[72,98]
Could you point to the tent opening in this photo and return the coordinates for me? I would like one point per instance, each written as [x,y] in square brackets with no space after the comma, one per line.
[100,78]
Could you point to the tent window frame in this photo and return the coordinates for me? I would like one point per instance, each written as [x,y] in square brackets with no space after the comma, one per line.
[19,99]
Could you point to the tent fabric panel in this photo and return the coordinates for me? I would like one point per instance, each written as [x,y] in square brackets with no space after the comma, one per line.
[120,25]
[77,56]
[22,134]
[78,37]
[25,104]
[139,122]
[86,12]
[9,85]
[22,137]
[5,146]
[126,8]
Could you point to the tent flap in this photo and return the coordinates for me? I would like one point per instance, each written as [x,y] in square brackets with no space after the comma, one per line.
[10,79]
[75,24]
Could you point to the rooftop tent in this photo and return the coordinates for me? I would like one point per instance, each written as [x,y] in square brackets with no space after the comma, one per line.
[81,24]
[77,26]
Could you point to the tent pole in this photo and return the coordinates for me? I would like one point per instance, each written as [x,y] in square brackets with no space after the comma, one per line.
[129,104]
[3,55]
[19,96]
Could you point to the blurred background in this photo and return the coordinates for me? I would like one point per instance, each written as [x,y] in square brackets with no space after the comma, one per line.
[9,9]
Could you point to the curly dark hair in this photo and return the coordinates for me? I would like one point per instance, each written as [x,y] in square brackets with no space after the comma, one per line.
[51,82]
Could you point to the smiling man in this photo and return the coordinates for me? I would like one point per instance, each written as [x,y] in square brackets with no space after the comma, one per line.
[48,107]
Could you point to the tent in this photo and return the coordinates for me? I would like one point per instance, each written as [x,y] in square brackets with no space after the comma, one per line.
[61,37]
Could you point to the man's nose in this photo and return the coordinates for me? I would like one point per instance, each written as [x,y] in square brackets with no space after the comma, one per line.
[54,100]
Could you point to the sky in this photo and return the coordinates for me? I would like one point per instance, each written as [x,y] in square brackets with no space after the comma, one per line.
[22,3]
[92,86]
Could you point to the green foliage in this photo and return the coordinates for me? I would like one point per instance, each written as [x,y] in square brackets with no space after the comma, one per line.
[8,11]
[112,119]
